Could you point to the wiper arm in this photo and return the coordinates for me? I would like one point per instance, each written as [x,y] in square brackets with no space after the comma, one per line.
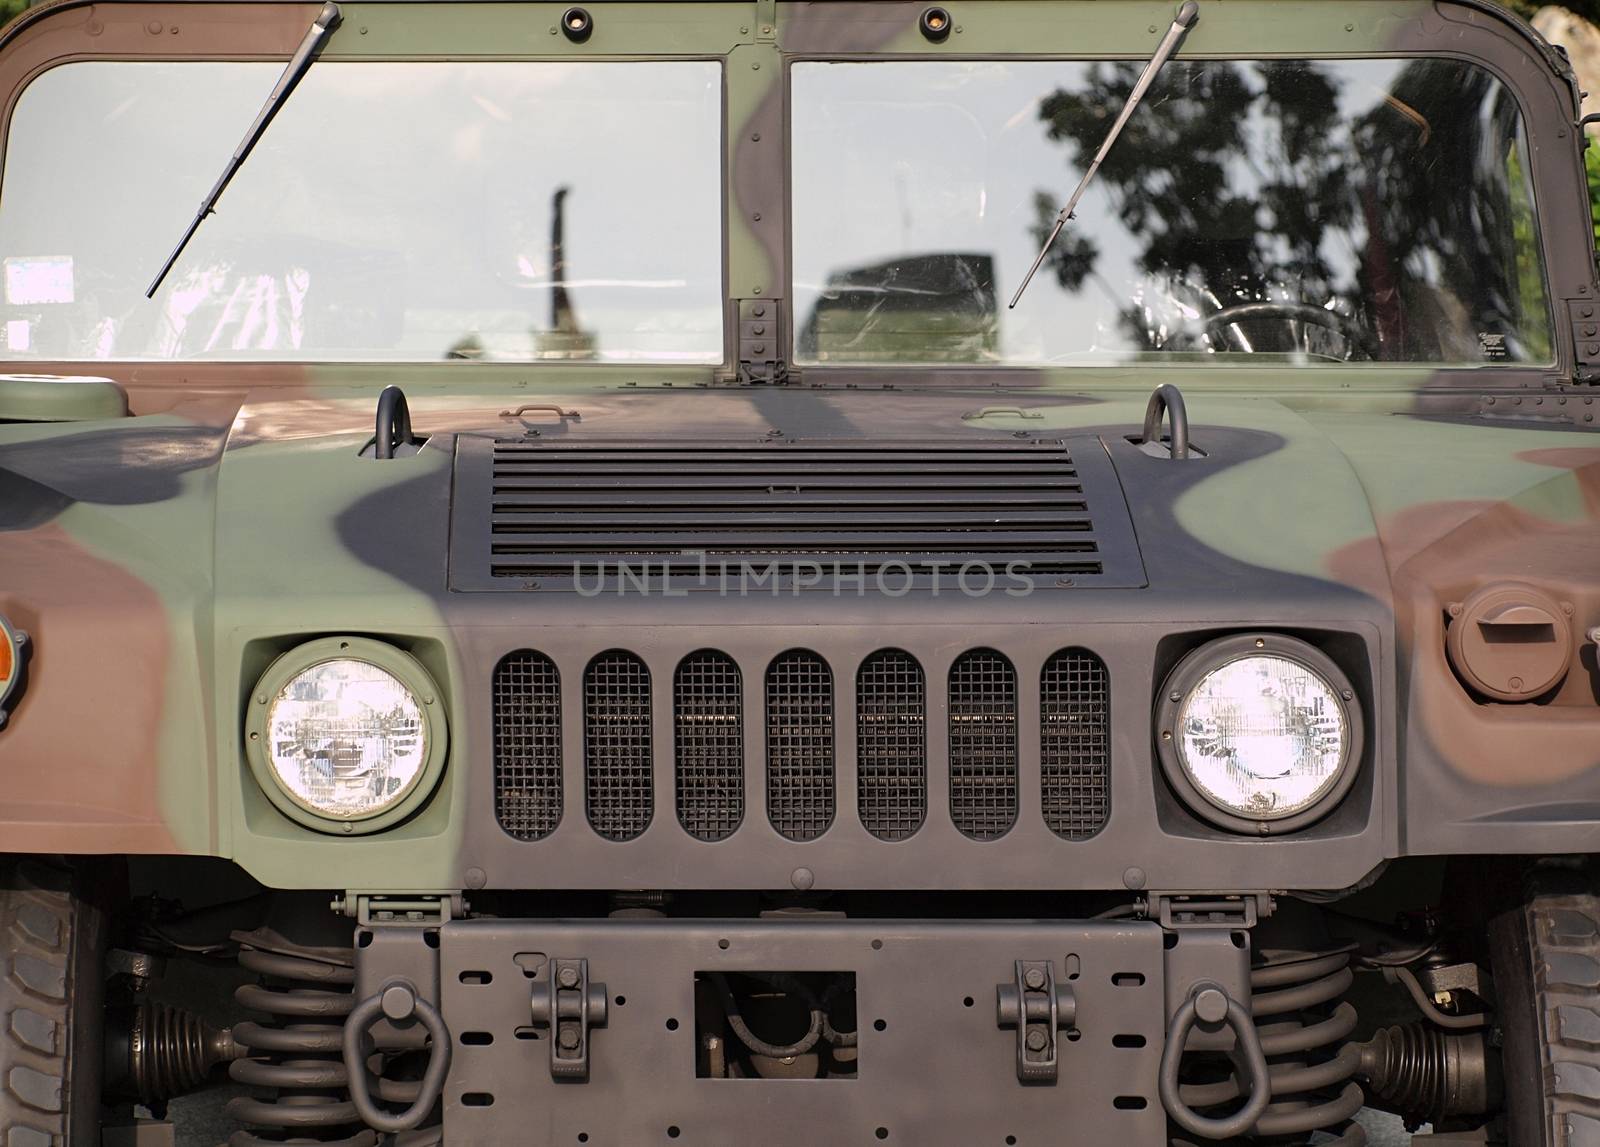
[1187,15]
[300,63]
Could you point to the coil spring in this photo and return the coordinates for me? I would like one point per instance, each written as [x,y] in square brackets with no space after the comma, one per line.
[1296,999]
[299,1054]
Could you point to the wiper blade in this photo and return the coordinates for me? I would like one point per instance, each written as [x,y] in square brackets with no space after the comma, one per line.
[300,63]
[1187,15]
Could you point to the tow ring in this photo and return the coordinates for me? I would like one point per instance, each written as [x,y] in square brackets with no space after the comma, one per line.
[1208,1003]
[397,1001]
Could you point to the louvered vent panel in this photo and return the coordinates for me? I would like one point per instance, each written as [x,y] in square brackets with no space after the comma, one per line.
[535,513]
[618,760]
[983,744]
[708,718]
[1075,743]
[891,745]
[800,772]
[527,745]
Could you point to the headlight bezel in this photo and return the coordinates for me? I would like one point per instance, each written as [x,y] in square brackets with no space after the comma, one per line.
[404,668]
[1198,664]
[14,650]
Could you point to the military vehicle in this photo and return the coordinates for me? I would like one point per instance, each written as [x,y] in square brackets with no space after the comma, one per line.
[589,594]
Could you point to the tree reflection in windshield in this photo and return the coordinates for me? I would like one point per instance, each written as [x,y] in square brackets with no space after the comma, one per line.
[1331,210]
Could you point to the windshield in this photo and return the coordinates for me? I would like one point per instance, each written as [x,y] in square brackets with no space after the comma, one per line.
[1325,211]
[393,211]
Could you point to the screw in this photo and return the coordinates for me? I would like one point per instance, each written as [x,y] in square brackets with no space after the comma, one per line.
[1033,978]
[568,977]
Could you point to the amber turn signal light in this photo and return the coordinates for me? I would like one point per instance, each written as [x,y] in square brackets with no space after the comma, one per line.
[13,649]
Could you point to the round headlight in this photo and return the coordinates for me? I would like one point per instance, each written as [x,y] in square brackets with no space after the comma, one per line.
[1262,729]
[346,730]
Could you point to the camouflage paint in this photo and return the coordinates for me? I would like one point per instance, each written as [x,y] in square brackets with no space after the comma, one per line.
[161,560]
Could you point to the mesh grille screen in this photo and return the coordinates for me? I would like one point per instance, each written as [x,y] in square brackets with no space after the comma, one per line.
[618,765]
[1075,743]
[527,745]
[891,745]
[800,786]
[983,744]
[708,715]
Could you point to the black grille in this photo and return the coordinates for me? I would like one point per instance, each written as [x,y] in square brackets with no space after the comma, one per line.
[601,514]
[983,744]
[618,761]
[891,745]
[1075,743]
[527,745]
[708,717]
[800,785]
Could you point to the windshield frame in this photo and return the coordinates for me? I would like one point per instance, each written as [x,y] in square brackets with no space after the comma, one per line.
[756,59]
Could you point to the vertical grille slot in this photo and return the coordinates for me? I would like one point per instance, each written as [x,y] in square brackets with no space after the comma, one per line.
[800,780]
[708,719]
[1075,743]
[983,744]
[527,745]
[891,745]
[618,765]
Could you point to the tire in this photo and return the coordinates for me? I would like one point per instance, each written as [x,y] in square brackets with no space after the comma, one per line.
[52,944]
[1546,958]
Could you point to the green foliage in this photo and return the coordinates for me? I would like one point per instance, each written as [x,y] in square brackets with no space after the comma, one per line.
[1591,163]
[9,8]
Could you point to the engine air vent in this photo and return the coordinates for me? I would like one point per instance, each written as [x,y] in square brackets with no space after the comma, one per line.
[800,773]
[708,719]
[609,516]
[527,745]
[619,787]
[1075,743]
[983,744]
[891,745]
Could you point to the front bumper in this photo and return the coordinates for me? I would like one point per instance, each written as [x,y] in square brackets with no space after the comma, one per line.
[940,1060]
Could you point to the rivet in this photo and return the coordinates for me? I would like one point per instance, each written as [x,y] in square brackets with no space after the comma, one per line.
[1260,643]
[1175,696]
[766,31]
[755,67]
[173,29]
[1166,734]
[261,698]
[1349,27]
[1133,878]
[427,700]
[1153,29]
[364,31]
[477,878]
[255,736]
[755,290]
[756,216]
[755,137]
[802,879]
[348,827]
[154,27]
[758,310]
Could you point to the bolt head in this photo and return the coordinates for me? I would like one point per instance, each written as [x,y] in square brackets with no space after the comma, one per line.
[1036,1039]
[1211,1005]
[568,1037]
[399,1001]
[1034,979]
[567,977]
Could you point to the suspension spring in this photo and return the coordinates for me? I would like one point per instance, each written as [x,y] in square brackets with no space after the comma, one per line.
[298,1053]
[1297,1002]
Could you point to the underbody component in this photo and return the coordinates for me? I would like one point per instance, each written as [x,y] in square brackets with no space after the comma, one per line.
[1036,1006]
[155,1052]
[1426,1074]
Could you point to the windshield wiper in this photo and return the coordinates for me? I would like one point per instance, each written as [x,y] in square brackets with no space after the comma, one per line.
[1187,15]
[316,36]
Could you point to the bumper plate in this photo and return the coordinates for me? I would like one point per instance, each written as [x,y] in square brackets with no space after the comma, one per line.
[940,1073]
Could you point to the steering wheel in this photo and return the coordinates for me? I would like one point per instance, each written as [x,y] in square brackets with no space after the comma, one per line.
[1340,324]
